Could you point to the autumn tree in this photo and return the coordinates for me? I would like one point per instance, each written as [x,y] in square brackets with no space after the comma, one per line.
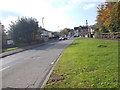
[115,18]
[65,31]
[101,18]
[108,18]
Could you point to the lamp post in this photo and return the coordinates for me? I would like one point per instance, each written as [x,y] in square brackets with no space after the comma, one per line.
[87,28]
[86,23]
[43,22]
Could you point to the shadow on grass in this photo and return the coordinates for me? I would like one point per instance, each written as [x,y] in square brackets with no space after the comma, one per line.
[73,44]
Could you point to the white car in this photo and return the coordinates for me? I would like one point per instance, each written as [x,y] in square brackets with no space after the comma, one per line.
[61,38]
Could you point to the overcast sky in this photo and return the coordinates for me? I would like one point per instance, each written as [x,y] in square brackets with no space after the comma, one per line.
[58,14]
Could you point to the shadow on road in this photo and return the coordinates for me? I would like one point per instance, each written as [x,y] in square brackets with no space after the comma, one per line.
[53,45]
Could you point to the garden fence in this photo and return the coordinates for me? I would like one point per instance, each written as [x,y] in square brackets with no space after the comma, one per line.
[115,35]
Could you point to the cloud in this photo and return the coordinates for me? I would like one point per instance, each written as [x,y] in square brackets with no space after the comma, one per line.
[88,6]
[8,20]
[83,1]
[5,14]
[54,17]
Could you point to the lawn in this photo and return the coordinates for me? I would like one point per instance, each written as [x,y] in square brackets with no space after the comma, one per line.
[86,63]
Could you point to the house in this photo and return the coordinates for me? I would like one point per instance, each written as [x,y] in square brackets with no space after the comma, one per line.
[56,34]
[71,33]
[44,35]
[83,31]
[50,34]
[91,33]
[76,31]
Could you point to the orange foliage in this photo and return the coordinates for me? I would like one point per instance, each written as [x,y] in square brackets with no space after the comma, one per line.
[105,13]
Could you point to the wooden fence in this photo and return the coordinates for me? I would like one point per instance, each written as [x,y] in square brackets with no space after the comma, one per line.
[113,36]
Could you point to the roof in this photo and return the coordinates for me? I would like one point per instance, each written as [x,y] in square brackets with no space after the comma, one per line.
[80,27]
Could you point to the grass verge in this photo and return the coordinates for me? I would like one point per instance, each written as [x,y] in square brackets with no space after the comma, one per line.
[9,49]
[87,63]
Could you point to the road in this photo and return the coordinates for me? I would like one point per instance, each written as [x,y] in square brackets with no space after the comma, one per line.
[28,69]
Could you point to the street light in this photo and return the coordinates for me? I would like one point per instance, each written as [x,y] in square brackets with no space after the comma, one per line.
[42,21]
[88,31]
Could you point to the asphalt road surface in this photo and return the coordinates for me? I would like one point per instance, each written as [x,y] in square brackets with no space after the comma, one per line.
[28,68]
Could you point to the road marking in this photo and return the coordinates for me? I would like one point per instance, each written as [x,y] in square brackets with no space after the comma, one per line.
[52,63]
[4,68]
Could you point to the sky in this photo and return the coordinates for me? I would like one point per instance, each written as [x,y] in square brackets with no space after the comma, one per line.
[58,14]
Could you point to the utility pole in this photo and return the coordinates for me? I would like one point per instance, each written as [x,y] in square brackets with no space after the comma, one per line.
[43,22]
[87,26]
[86,23]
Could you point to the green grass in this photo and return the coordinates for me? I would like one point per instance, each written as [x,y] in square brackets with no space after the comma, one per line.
[9,49]
[87,63]
[80,38]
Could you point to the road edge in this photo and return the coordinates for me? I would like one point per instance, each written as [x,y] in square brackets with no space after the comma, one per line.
[21,50]
[52,68]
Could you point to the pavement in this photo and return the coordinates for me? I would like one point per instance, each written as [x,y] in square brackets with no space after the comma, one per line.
[29,68]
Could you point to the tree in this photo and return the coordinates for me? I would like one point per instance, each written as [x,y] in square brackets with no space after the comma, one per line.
[108,17]
[100,18]
[65,31]
[115,18]
[24,30]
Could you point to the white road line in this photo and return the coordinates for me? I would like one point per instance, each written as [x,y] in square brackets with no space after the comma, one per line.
[52,63]
[4,68]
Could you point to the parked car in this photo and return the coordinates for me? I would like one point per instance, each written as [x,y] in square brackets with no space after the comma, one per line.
[76,35]
[63,38]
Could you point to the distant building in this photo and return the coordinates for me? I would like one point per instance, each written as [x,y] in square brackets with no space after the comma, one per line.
[71,33]
[76,31]
[56,34]
[83,31]
[50,34]
[45,35]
